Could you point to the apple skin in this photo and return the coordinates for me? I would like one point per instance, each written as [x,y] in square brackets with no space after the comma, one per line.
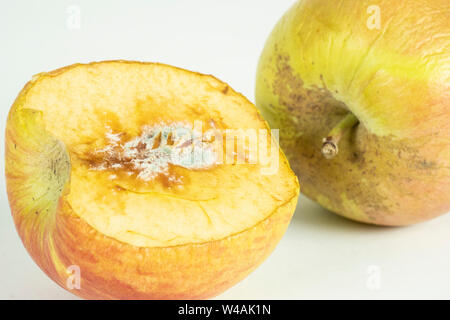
[38,174]
[322,61]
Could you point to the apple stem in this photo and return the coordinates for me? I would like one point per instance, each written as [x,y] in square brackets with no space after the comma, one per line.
[330,143]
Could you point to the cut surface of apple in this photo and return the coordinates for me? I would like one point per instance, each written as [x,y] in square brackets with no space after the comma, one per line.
[116,167]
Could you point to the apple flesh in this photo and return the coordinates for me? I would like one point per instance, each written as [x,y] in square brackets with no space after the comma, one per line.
[374,100]
[84,193]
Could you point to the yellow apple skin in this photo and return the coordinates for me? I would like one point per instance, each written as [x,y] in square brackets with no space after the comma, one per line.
[38,175]
[327,58]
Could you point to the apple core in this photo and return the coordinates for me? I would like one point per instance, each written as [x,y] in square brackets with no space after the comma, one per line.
[155,151]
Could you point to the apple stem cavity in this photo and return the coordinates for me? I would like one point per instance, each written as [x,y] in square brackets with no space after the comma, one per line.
[330,143]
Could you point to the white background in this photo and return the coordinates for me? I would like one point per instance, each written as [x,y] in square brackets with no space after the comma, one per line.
[321,255]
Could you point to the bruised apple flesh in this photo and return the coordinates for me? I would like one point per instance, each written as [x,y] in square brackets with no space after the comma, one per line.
[123,174]
[361,93]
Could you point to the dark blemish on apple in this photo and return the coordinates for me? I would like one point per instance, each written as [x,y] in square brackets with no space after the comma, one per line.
[313,112]
[142,145]
[425,164]
[36,212]
[170,141]
[225,90]
[353,158]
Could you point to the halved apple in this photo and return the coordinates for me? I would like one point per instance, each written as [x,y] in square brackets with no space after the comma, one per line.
[106,171]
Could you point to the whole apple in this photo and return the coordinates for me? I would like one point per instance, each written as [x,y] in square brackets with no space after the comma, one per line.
[360,91]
